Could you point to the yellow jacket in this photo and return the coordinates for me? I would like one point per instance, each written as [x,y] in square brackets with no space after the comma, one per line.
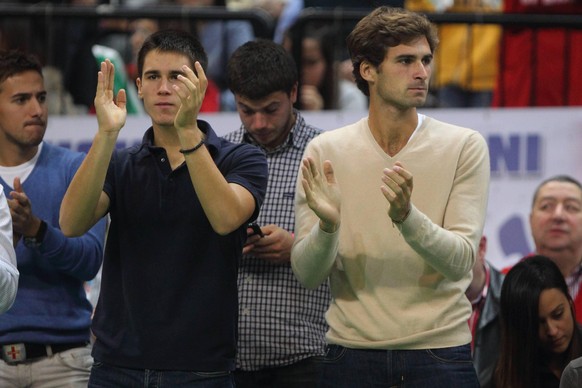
[467,55]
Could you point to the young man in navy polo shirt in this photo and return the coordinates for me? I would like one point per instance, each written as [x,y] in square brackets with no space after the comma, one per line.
[179,205]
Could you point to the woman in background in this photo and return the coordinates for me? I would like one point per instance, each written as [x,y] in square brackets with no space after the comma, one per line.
[539,335]
[321,86]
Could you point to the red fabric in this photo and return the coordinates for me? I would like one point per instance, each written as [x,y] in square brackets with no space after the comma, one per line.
[211,101]
[540,67]
[578,307]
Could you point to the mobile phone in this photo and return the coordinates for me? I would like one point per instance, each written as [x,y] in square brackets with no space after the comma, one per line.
[256,229]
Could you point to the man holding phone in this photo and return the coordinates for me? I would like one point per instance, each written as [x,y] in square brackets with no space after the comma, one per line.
[281,323]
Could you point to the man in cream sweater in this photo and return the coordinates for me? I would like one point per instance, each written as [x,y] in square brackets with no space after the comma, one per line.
[391,209]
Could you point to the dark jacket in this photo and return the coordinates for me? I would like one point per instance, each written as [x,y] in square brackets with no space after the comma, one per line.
[488,334]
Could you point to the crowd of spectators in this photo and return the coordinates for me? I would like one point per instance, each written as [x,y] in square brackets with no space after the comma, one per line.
[531,312]
[476,66]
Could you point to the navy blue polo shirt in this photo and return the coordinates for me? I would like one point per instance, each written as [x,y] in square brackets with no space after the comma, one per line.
[169,287]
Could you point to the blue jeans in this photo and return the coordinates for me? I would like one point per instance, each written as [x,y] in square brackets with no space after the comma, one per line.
[108,376]
[303,374]
[431,368]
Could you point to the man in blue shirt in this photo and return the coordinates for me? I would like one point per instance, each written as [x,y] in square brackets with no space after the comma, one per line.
[179,205]
[44,337]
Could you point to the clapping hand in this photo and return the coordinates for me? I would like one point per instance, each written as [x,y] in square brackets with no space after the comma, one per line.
[111,113]
[322,193]
[397,190]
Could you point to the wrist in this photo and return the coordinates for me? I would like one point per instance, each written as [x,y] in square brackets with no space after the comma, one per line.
[36,240]
[328,227]
[33,228]
[401,220]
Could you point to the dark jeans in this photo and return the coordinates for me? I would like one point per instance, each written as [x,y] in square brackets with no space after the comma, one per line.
[109,376]
[431,368]
[303,374]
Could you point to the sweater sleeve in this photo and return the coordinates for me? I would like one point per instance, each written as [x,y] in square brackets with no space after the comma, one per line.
[80,257]
[451,248]
[8,272]
[313,255]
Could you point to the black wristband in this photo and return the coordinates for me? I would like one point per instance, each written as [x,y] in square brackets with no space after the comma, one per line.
[189,151]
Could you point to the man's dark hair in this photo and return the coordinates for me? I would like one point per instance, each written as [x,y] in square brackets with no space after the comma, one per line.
[259,68]
[14,62]
[174,41]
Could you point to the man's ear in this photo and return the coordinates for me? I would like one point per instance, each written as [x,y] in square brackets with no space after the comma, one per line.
[293,94]
[138,84]
[367,71]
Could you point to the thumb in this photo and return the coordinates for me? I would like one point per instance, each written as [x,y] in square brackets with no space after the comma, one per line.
[17,185]
[121,99]
[328,172]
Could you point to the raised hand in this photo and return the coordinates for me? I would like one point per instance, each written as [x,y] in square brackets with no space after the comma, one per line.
[111,113]
[191,90]
[322,193]
[397,190]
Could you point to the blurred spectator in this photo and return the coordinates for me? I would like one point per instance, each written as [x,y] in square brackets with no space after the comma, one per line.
[284,12]
[572,375]
[466,62]
[556,227]
[483,293]
[60,101]
[321,87]
[220,39]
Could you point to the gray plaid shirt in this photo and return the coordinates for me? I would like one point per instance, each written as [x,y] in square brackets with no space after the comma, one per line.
[280,321]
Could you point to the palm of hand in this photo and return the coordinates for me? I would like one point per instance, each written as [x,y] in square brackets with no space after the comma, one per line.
[322,193]
[109,114]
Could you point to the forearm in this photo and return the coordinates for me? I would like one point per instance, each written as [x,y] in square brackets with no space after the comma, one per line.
[450,253]
[313,255]
[227,206]
[80,207]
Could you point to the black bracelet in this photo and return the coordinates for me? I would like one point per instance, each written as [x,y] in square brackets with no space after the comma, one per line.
[189,151]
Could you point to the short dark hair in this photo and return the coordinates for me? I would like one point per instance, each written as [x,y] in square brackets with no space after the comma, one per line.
[386,27]
[259,68]
[555,178]
[14,62]
[175,41]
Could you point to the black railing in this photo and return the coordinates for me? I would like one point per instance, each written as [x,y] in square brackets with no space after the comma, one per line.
[261,21]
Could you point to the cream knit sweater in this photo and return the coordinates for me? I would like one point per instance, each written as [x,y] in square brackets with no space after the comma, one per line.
[397,286]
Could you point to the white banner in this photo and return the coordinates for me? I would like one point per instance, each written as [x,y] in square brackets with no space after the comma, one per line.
[525,145]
